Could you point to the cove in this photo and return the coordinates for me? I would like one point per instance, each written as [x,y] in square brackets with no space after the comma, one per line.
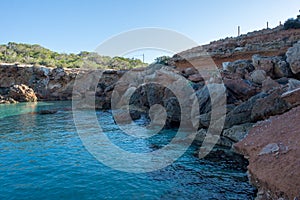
[42,157]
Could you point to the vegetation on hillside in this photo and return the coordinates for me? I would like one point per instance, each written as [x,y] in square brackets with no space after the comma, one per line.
[38,55]
[292,23]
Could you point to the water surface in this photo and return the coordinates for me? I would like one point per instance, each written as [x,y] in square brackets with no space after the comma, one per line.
[42,157]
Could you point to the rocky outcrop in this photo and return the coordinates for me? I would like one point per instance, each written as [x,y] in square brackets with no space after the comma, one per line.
[22,93]
[55,83]
[7,100]
[273,150]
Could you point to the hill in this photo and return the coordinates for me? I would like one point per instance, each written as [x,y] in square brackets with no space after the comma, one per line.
[38,55]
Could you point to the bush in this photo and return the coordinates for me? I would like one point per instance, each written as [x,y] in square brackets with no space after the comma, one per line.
[162,60]
[292,24]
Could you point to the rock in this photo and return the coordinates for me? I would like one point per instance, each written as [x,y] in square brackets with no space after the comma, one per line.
[228,66]
[270,105]
[125,116]
[241,67]
[293,57]
[282,81]
[237,133]
[173,109]
[155,93]
[265,63]
[196,78]
[22,93]
[241,114]
[293,84]
[217,91]
[202,134]
[190,71]
[204,120]
[7,100]
[239,88]
[292,97]
[47,112]
[269,84]
[258,76]
[270,148]
[282,69]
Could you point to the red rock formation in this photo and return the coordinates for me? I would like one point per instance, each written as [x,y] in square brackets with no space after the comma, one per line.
[273,149]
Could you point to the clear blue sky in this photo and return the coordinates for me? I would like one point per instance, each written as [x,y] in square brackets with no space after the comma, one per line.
[72,26]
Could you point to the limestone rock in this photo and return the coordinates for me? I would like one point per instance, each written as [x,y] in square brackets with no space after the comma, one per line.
[22,93]
[7,100]
[293,57]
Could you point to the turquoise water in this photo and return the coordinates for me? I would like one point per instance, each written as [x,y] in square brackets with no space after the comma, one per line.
[42,157]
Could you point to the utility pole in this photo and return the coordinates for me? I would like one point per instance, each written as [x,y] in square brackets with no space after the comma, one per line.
[143,58]
[239,30]
[267,25]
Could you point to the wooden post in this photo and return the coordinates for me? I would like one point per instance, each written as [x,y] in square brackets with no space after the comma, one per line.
[267,25]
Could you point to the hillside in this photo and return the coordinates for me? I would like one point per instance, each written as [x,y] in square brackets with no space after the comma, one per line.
[38,55]
[266,42]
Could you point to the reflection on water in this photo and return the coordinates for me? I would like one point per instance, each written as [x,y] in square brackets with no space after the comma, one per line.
[42,157]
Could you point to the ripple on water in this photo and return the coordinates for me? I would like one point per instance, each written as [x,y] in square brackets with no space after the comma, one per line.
[41,156]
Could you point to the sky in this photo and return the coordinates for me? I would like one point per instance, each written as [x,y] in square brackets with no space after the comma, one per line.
[70,26]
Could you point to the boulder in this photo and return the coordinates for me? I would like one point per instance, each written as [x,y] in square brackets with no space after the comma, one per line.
[293,84]
[258,76]
[240,88]
[237,133]
[293,57]
[282,69]
[269,85]
[22,93]
[241,114]
[270,105]
[262,63]
[292,97]
[241,67]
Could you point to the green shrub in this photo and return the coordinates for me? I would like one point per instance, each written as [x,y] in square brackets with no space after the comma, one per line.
[292,24]
[36,54]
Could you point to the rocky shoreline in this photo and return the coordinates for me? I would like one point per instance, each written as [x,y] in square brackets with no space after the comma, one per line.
[263,98]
